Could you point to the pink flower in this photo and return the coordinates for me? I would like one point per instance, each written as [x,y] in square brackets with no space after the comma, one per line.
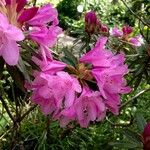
[125,34]
[98,56]
[44,15]
[146,137]
[46,62]
[90,17]
[71,86]
[136,41]
[89,107]
[58,90]
[104,28]
[9,34]
[109,71]
[116,32]
[111,83]
[45,36]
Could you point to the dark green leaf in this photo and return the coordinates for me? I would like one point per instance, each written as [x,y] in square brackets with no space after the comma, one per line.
[124,144]
[133,136]
[140,121]
[17,77]
[1,67]
[70,57]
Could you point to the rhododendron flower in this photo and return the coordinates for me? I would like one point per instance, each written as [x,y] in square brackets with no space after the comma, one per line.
[127,30]
[9,34]
[109,71]
[67,97]
[125,34]
[16,13]
[137,40]
[89,107]
[111,83]
[116,32]
[46,62]
[45,36]
[58,89]
[98,56]
[146,137]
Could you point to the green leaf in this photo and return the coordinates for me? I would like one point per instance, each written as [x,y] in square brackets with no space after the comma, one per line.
[124,144]
[1,67]
[133,136]
[70,57]
[140,121]
[17,77]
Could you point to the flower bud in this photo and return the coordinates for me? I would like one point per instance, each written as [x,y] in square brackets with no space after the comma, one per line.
[146,137]
[104,28]
[90,22]
[127,30]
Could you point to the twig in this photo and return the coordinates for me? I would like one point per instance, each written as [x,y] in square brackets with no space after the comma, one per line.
[7,109]
[133,98]
[34,2]
[26,113]
[135,14]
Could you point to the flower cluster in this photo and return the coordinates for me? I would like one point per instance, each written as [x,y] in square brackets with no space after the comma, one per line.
[81,93]
[66,93]
[125,35]
[19,23]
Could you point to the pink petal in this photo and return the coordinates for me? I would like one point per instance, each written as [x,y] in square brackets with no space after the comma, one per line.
[10,52]
[4,21]
[44,15]
[116,32]
[27,14]
[14,33]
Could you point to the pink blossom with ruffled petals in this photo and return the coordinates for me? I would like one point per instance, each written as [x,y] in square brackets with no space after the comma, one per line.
[9,34]
[46,62]
[89,107]
[45,36]
[59,90]
[98,56]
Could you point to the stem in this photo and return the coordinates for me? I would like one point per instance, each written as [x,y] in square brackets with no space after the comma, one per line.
[135,14]
[133,98]
[27,112]
[34,2]
[7,109]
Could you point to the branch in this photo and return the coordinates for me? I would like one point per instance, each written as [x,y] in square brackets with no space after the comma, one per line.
[26,113]
[133,98]
[7,109]
[135,13]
